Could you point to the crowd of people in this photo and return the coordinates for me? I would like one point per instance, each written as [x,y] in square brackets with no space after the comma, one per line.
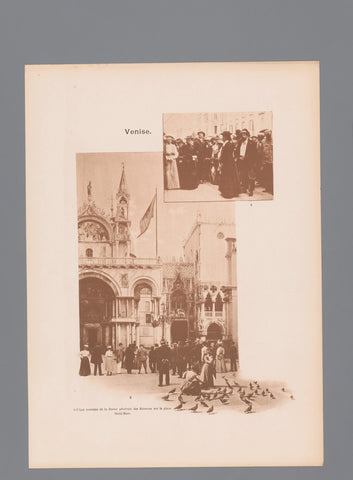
[236,163]
[197,362]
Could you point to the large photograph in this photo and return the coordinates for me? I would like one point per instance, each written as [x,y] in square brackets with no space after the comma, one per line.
[218,156]
[158,309]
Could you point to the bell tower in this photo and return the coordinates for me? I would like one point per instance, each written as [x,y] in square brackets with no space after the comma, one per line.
[123,224]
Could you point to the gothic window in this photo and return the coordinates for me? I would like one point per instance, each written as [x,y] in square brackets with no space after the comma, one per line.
[89,252]
[178,301]
[208,303]
[219,303]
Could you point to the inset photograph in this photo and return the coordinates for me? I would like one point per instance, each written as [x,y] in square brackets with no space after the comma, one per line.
[211,157]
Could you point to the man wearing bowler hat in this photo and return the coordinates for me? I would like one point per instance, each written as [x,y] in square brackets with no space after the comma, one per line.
[246,156]
[163,354]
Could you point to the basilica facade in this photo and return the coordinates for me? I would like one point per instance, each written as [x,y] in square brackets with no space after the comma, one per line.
[126,299]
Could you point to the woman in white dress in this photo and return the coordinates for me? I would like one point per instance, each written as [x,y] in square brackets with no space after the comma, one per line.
[109,361]
[220,362]
[171,168]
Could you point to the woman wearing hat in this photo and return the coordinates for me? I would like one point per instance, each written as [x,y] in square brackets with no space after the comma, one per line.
[109,361]
[208,372]
[171,169]
[85,368]
[229,184]
[220,362]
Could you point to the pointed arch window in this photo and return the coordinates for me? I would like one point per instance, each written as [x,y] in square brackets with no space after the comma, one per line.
[219,303]
[208,303]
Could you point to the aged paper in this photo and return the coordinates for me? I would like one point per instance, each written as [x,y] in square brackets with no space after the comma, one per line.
[137,241]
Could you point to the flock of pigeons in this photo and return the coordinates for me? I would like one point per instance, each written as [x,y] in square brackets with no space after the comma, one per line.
[208,399]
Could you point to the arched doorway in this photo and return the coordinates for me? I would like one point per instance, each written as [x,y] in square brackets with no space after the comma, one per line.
[214,332]
[144,303]
[96,311]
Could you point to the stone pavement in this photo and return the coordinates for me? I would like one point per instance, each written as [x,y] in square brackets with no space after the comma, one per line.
[142,391]
[210,193]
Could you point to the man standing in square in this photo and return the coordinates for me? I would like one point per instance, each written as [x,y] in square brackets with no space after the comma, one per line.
[163,355]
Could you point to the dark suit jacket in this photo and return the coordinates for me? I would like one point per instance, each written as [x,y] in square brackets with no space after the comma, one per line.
[250,156]
[163,353]
[97,355]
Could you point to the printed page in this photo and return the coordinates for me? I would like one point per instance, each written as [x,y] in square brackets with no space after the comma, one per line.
[174,265]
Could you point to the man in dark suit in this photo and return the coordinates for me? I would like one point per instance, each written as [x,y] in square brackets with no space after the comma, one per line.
[233,354]
[163,356]
[96,359]
[246,156]
[202,151]
[188,166]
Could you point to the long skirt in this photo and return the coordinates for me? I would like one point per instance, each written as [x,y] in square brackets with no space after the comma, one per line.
[172,176]
[188,177]
[85,368]
[109,364]
[207,374]
[220,365]
[229,184]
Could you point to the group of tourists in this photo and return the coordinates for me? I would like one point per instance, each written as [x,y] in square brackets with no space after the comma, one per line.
[236,163]
[194,361]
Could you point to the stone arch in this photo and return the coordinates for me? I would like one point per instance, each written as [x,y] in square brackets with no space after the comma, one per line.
[102,276]
[145,280]
[97,219]
[215,330]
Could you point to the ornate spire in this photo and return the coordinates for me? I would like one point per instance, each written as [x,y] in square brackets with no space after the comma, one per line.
[112,207]
[89,192]
[123,190]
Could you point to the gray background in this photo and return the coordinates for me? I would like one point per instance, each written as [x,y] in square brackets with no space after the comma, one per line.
[86,31]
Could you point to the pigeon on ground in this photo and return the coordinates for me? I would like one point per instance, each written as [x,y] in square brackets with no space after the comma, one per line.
[172,390]
[227,382]
[224,401]
[249,409]
[194,408]
[178,407]
[166,397]
[210,410]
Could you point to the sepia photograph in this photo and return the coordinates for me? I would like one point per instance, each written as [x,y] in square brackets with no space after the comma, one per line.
[217,156]
[158,299]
